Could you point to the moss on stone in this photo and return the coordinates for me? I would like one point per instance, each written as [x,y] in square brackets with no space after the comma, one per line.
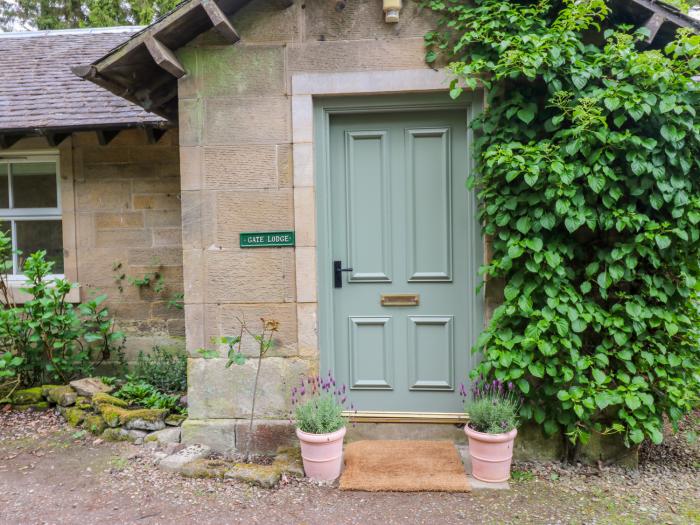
[95,424]
[174,420]
[206,468]
[265,476]
[75,416]
[62,395]
[115,416]
[41,405]
[105,399]
[83,403]
[45,389]
[116,434]
[27,396]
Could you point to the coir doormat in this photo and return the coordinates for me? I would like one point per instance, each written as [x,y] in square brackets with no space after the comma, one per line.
[403,466]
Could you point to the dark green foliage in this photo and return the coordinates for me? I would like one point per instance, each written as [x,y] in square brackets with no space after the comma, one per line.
[588,163]
[54,340]
[164,369]
[65,14]
[146,395]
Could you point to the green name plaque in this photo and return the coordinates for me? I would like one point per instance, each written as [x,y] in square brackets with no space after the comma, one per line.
[265,239]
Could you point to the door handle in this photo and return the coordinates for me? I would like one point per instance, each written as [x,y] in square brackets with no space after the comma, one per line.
[337,275]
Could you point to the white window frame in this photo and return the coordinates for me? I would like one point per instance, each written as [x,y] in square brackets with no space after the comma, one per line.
[30,214]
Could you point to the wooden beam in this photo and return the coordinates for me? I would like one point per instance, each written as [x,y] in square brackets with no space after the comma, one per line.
[105,136]
[9,140]
[153,135]
[653,24]
[284,4]
[55,139]
[220,21]
[165,58]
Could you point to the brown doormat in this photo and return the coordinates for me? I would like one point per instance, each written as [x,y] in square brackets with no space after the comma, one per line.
[403,466]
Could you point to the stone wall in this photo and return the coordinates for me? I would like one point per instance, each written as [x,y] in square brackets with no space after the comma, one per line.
[127,211]
[121,205]
[236,173]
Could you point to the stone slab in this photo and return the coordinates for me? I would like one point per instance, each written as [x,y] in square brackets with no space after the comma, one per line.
[88,386]
[225,393]
[166,435]
[416,431]
[268,436]
[175,462]
[217,434]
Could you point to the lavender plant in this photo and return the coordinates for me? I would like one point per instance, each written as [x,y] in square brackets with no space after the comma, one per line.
[319,403]
[493,406]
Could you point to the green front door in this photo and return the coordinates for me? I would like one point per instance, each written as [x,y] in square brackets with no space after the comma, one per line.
[404,317]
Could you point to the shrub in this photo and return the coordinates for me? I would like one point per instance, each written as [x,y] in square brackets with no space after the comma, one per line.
[319,404]
[164,369]
[493,407]
[55,340]
[144,394]
[587,176]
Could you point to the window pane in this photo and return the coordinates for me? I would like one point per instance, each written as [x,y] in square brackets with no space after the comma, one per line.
[40,235]
[4,200]
[34,185]
[6,264]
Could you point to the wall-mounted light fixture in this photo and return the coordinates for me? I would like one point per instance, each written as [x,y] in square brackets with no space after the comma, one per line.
[391,11]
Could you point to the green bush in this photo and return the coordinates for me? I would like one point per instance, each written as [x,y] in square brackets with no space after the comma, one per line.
[55,340]
[587,161]
[164,369]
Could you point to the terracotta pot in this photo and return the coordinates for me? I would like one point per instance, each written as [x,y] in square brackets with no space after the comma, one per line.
[491,454]
[322,454]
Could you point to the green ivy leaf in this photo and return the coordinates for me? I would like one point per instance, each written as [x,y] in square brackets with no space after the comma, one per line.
[612,103]
[636,436]
[523,385]
[527,113]
[599,376]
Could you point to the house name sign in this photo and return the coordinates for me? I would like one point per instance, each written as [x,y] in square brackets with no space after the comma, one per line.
[266,239]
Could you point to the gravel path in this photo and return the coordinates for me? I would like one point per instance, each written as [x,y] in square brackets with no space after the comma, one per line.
[51,474]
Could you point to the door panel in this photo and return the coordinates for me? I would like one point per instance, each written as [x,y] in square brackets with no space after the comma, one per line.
[370,352]
[402,219]
[368,224]
[429,215]
[430,352]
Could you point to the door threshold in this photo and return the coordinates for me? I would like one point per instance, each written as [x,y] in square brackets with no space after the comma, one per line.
[380,416]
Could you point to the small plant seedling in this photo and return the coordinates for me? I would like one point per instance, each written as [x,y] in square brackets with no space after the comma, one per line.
[522,475]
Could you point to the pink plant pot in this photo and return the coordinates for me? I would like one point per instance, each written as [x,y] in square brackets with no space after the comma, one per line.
[491,454]
[322,454]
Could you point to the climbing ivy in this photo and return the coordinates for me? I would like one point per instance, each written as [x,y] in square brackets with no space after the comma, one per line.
[588,176]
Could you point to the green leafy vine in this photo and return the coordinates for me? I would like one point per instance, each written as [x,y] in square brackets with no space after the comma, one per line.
[588,176]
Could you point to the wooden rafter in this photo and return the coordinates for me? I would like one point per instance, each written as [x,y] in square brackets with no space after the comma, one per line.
[164,57]
[220,21]
[55,139]
[153,135]
[105,136]
[8,140]
[653,24]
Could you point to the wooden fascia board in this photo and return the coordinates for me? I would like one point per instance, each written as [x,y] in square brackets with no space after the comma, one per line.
[164,57]
[220,22]
[139,38]
[668,14]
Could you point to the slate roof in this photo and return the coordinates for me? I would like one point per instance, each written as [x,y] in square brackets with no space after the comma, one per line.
[38,90]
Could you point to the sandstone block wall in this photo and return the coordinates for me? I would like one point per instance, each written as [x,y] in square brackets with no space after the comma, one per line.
[127,211]
[236,176]
[121,205]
